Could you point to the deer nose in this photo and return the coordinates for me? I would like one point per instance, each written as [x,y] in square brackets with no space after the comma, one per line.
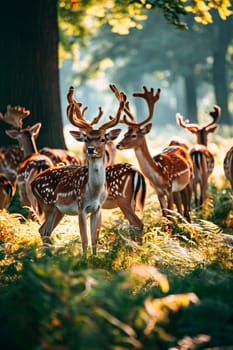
[90,150]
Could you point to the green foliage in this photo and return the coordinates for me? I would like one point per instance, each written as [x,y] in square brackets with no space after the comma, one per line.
[174,290]
[67,300]
[219,207]
[65,305]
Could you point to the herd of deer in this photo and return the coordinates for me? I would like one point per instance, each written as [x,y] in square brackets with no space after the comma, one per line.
[55,182]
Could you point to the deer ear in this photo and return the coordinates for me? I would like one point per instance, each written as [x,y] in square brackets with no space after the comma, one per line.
[112,134]
[78,135]
[146,129]
[35,129]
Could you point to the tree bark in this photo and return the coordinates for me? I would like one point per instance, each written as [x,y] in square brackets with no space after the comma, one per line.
[223,36]
[29,73]
[191,96]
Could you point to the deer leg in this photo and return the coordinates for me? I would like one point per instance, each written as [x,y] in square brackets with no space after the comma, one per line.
[203,193]
[95,223]
[83,232]
[166,225]
[186,194]
[170,201]
[177,201]
[163,204]
[133,219]
[51,221]
[46,228]
[195,191]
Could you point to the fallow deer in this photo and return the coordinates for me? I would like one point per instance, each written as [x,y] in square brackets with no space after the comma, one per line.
[61,156]
[126,185]
[203,159]
[10,158]
[34,161]
[76,190]
[228,166]
[12,155]
[169,171]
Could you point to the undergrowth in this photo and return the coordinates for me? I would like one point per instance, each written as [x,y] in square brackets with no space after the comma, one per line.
[172,292]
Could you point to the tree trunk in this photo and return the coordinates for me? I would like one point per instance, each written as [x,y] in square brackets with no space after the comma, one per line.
[29,73]
[191,96]
[223,36]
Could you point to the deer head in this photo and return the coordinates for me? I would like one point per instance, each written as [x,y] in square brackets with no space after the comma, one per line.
[95,139]
[26,137]
[137,130]
[201,131]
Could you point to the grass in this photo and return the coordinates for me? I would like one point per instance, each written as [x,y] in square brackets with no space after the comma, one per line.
[173,292]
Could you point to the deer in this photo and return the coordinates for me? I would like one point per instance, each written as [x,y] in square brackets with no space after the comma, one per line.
[228,166]
[80,190]
[10,158]
[14,116]
[169,171]
[34,161]
[203,159]
[128,194]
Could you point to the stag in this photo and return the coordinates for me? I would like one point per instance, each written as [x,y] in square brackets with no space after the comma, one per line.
[78,190]
[169,171]
[203,160]
[74,190]
[125,184]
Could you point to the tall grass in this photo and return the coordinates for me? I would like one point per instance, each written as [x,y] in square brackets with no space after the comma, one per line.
[172,292]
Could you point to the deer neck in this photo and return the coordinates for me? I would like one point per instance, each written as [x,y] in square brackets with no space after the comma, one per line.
[146,162]
[202,137]
[29,146]
[96,175]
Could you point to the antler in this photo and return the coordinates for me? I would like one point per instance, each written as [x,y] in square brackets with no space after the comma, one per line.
[150,98]
[186,124]
[15,115]
[114,120]
[76,115]
[80,114]
[97,118]
[215,114]
[194,128]
[118,96]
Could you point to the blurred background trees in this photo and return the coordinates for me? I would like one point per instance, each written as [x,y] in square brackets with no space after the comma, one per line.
[184,47]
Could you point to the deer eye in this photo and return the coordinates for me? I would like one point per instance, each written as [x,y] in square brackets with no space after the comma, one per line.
[134,136]
[103,140]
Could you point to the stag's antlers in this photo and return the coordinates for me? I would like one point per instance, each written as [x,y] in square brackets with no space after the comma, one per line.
[150,98]
[194,128]
[15,115]
[76,115]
